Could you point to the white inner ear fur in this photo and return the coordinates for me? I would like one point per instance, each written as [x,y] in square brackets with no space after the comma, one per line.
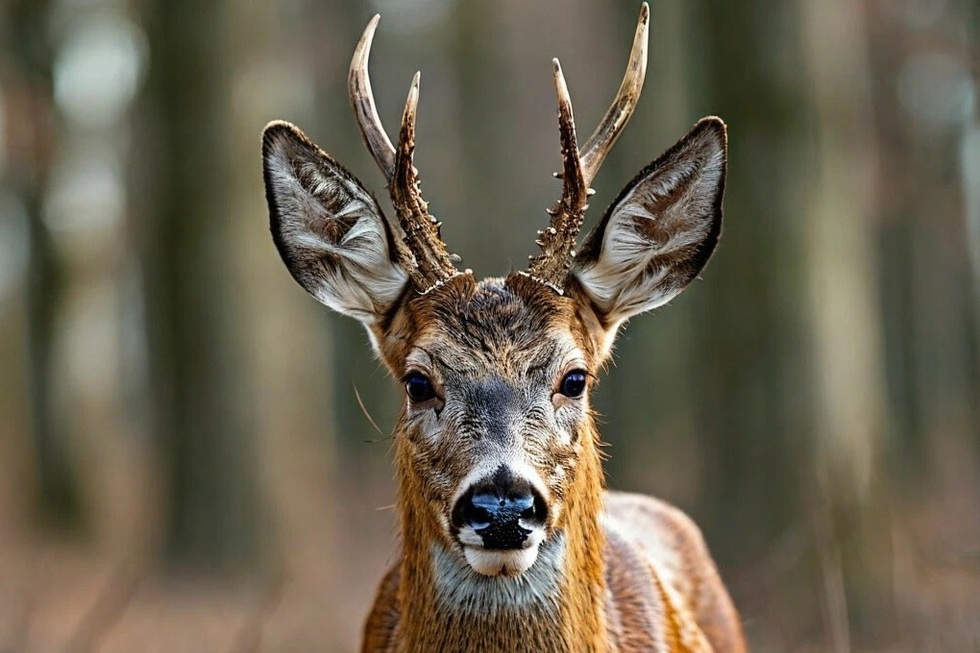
[355,275]
[634,272]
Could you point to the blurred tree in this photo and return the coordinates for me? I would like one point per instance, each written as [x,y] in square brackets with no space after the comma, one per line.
[933,363]
[844,318]
[755,411]
[481,86]
[26,34]
[201,410]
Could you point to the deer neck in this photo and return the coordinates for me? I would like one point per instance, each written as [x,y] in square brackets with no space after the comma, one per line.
[557,605]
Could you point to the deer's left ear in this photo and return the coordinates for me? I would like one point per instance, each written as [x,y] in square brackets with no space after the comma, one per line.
[661,230]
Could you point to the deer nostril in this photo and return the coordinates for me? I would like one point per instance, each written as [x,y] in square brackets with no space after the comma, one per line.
[536,511]
[480,510]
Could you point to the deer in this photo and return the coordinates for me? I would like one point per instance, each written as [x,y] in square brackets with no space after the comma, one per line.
[509,540]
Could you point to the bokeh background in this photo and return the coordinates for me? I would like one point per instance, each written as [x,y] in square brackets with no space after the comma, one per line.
[188,453]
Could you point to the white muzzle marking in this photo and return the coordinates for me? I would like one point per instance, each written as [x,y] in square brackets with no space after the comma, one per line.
[502,562]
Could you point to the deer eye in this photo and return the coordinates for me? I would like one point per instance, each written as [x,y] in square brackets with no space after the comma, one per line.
[418,387]
[573,384]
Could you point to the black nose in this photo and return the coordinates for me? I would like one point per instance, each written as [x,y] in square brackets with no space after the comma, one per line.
[502,510]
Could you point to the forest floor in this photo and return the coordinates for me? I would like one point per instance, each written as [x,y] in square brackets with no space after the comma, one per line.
[60,597]
[54,598]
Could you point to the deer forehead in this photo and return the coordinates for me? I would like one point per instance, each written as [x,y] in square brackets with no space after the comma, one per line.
[501,328]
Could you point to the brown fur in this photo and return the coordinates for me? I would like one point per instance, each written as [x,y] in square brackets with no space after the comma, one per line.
[637,575]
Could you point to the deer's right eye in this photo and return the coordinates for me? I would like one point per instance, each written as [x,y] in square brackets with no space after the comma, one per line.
[419,387]
[573,385]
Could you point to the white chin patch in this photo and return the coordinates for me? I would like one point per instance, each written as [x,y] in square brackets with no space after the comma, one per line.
[501,562]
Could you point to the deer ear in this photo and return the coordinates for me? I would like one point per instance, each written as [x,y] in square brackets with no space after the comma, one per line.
[661,230]
[329,230]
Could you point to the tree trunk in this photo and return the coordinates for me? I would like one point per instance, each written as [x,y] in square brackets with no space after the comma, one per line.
[200,404]
[756,411]
[58,487]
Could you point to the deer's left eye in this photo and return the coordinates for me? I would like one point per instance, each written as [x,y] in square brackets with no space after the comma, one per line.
[419,387]
[573,384]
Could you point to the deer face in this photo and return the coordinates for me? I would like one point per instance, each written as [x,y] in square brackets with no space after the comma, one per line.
[496,425]
[496,413]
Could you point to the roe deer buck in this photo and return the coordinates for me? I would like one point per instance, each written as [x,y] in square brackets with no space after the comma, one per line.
[509,540]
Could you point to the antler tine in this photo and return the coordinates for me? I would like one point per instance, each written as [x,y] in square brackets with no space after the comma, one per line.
[362,100]
[433,265]
[574,186]
[551,266]
[621,109]
[580,166]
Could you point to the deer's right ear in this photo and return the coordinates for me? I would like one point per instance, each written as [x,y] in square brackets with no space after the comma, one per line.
[329,230]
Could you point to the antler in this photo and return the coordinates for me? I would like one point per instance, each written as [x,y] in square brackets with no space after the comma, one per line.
[580,166]
[432,264]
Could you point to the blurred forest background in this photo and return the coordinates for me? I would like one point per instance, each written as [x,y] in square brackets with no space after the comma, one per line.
[184,461]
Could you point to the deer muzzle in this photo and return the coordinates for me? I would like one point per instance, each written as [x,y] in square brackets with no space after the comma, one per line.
[500,521]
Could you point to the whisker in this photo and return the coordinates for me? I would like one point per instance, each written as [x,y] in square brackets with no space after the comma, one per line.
[370,419]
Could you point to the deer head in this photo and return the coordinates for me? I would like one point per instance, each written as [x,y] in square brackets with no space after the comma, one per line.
[496,445]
